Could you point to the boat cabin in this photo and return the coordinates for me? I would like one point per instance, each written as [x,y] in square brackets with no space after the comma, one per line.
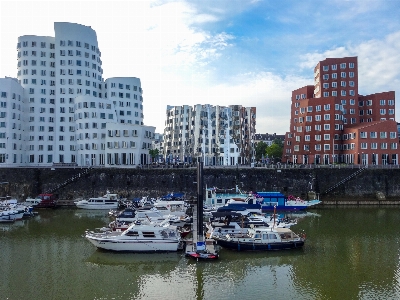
[219,197]
[278,234]
[271,199]
[46,200]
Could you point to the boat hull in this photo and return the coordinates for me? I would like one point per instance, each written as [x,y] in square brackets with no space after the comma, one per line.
[135,245]
[96,206]
[243,246]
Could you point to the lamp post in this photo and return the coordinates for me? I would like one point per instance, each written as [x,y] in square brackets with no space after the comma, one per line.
[315,157]
[358,158]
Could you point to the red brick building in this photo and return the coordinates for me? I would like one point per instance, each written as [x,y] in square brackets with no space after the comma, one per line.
[331,123]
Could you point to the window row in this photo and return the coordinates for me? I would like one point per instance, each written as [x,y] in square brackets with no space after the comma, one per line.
[374,135]
[374,146]
[335,84]
[34,44]
[13,96]
[126,86]
[334,66]
[78,44]
[342,93]
[335,75]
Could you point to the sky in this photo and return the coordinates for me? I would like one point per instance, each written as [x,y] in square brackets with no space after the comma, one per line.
[221,52]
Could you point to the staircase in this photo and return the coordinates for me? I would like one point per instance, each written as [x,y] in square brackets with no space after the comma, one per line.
[68,181]
[343,181]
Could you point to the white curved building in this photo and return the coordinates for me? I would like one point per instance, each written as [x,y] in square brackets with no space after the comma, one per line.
[66,106]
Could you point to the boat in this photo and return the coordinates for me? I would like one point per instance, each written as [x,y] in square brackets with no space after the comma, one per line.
[261,239]
[171,207]
[108,201]
[7,216]
[46,201]
[255,201]
[281,202]
[238,223]
[33,201]
[149,237]
[13,207]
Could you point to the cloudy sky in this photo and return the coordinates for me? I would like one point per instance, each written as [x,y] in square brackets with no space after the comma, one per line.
[222,52]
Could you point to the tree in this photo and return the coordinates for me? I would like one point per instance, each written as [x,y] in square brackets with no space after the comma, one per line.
[275,151]
[261,149]
[153,153]
[279,142]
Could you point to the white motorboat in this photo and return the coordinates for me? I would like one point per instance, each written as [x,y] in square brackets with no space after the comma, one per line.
[33,201]
[173,207]
[129,215]
[6,217]
[108,201]
[149,237]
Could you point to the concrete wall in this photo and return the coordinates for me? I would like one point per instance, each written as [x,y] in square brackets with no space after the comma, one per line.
[21,183]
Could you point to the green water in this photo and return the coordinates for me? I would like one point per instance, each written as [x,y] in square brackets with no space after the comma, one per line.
[350,253]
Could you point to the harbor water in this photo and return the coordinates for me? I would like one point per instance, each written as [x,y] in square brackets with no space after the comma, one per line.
[350,253]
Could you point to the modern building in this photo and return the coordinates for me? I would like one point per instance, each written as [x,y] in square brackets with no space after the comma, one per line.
[158,143]
[222,135]
[331,123]
[60,109]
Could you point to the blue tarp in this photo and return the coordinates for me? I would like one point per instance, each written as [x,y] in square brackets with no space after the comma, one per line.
[173,196]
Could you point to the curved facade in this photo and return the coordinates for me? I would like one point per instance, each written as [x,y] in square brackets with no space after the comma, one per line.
[12,137]
[126,95]
[66,104]
[222,135]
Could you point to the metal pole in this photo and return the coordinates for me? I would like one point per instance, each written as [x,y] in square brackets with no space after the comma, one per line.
[200,235]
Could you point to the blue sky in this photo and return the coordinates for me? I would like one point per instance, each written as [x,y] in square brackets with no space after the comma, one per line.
[222,52]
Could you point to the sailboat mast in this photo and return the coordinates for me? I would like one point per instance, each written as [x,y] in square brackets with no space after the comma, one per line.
[200,234]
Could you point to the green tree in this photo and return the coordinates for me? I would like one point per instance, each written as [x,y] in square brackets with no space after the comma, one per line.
[279,142]
[275,152]
[261,149]
[153,153]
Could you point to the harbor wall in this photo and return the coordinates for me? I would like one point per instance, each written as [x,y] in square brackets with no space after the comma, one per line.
[74,183]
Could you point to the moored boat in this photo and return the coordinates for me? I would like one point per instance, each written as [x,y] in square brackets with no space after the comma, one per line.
[256,202]
[108,201]
[261,239]
[46,201]
[149,237]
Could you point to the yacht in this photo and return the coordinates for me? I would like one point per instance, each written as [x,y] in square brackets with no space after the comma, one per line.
[143,237]
[108,201]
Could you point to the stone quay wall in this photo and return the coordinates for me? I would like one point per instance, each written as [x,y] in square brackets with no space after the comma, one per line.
[74,183]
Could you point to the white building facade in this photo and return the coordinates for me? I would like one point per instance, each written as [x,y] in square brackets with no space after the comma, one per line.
[64,109]
[221,135]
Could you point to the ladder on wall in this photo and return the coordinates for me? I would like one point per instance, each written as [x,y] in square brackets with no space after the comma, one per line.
[343,181]
[68,181]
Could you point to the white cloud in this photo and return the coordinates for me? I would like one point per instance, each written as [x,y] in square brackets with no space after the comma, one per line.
[378,62]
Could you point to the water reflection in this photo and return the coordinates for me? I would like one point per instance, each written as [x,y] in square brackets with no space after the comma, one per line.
[349,254]
[137,263]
